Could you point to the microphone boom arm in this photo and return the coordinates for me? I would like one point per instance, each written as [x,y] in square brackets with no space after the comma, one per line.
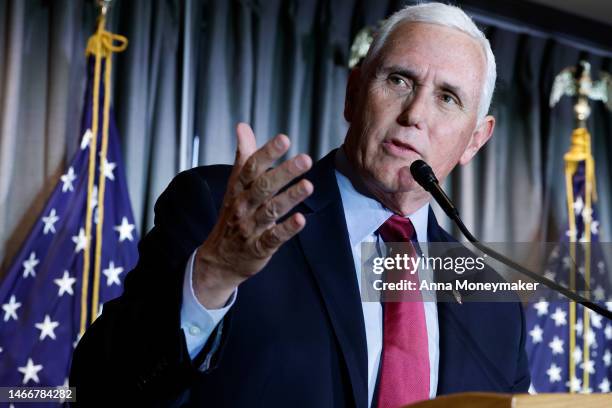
[423,174]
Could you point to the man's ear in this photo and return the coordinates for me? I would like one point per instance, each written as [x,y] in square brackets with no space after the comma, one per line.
[481,135]
[352,90]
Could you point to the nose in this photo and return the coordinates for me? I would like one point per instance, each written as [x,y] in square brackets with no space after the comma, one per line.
[414,110]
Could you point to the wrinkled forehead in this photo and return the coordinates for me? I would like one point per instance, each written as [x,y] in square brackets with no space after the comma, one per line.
[436,40]
[453,54]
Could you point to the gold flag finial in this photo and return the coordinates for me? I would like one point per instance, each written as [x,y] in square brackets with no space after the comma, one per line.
[104,6]
[577,82]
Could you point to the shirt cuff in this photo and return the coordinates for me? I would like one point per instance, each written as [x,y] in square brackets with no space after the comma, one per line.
[197,321]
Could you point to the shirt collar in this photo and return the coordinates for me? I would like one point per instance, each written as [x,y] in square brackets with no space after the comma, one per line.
[364,214]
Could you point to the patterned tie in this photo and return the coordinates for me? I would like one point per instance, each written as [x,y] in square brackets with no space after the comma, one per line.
[404,376]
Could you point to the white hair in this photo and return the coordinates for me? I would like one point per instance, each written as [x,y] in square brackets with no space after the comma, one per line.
[448,16]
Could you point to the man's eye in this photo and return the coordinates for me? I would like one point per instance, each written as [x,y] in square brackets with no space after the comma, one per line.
[449,99]
[398,80]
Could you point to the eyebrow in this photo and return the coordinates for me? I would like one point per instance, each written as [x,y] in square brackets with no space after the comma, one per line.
[407,72]
[454,90]
[410,73]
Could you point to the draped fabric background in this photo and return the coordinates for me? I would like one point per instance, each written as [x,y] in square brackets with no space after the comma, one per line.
[194,68]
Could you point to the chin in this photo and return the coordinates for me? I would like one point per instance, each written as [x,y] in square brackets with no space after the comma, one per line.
[388,180]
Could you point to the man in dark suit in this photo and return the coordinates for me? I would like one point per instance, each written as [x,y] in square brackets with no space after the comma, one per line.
[247,289]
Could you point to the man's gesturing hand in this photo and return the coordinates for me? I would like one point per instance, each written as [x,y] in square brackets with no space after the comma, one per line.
[246,234]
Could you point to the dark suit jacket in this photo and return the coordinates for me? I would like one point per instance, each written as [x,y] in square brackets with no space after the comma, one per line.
[295,336]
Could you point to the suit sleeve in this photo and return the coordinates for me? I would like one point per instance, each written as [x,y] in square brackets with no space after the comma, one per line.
[136,350]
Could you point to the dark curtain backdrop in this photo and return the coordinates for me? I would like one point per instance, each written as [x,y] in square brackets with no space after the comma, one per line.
[194,68]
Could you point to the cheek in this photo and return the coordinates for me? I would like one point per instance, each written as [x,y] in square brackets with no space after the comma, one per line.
[443,155]
[382,106]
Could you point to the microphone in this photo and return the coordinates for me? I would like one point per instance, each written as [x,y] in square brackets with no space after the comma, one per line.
[424,175]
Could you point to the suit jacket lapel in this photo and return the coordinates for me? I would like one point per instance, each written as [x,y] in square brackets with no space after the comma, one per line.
[326,246]
[458,346]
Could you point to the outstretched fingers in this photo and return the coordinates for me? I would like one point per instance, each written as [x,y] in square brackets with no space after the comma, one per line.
[270,240]
[275,208]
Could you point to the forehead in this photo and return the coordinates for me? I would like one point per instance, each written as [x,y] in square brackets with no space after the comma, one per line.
[453,55]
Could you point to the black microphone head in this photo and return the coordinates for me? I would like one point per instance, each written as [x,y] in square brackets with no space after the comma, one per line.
[423,174]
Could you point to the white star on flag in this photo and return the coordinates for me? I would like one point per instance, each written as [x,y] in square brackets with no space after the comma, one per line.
[608,332]
[29,264]
[578,326]
[541,307]
[47,328]
[607,358]
[550,275]
[577,355]
[86,139]
[107,169]
[94,197]
[556,345]
[609,305]
[125,230]
[67,180]
[112,274]
[599,294]
[65,284]
[554,373]
[575,384]
[604,386]
[578,205]
[30,371]
[536,334]
[76,340]
[588,366]
[80,241]
[10,309]
[50,221]
[559,317]
[596,319]
[567,262]
[601,266]
[595,227]
[589,337]
[63,386]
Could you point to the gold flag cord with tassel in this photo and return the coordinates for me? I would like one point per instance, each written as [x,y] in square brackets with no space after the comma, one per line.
[580,151]
[101,45]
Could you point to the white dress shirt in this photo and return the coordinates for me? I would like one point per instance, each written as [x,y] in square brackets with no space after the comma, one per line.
[364,215]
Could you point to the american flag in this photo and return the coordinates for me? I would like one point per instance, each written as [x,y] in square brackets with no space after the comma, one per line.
[548,318]
[41,292]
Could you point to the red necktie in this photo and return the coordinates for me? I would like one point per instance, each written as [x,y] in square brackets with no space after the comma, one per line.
[404,375]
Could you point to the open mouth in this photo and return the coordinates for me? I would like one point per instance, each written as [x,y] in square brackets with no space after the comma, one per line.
[399,148]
